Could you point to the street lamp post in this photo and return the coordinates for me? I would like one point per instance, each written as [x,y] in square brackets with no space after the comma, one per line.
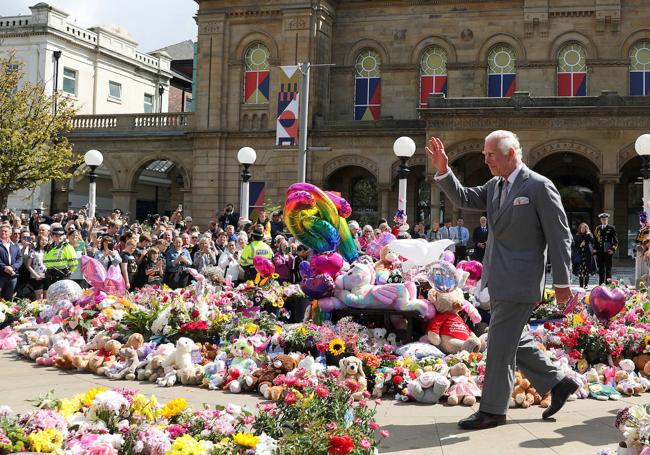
[93,159]
[404,148]
[246,156]
[642,147]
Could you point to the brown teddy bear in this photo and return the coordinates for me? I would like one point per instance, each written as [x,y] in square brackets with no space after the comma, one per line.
[65,361]
[209,352]
[262,378]
[135,341]
[130,357]
[104,358]
[463,389]
[39,347]
[352,368]
[521,393]
[152,369]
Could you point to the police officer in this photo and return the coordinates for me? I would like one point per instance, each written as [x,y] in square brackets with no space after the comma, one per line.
[60,258]
[255,248]
[606,244]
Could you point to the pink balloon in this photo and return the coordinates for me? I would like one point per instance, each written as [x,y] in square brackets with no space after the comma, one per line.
[605,303]
[474,268]
[264,266]
[448,256]
[327,263]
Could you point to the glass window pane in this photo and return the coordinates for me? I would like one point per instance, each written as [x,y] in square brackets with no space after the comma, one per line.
[434,62]
[573,59]
[114,90]
[640,56]
[257,58]
[501,60]
[69,81]
[368,64]
[148,102]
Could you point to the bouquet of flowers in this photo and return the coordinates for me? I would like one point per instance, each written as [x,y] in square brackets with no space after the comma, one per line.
[301,338]
[634,422]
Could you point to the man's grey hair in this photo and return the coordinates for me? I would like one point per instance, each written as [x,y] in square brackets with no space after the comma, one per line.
[505,141]
[44,226]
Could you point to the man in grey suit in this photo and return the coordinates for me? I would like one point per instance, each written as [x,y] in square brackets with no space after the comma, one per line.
[526,219]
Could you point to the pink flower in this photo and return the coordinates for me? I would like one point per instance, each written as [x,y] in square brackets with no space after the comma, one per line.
[365,443]
[384,433]
[374,425]
[103,448]
[331,426]
[291,398]
[322,391]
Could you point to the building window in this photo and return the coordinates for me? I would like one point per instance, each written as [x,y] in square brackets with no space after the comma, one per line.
[367,86]
[69,81]
[502,77]
[148,102]
[640,69]
[433,73]
[256,75]
[572,71]
[114,90]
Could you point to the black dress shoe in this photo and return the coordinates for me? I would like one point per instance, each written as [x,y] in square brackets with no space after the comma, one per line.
[559,394]
[482,420]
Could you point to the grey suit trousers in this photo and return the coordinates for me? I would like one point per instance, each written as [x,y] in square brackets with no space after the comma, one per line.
[509,347]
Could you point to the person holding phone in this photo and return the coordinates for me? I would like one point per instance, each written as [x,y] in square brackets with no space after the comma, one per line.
[106,254]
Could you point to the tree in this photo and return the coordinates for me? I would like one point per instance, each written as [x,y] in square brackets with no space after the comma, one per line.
[33,148]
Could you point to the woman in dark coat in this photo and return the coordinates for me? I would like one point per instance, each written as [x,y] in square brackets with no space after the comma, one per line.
[582,256]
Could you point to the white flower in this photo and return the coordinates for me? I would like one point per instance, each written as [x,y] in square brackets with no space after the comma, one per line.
[266,445]
[160,322]
[110,401]
[233,409]
[116,440]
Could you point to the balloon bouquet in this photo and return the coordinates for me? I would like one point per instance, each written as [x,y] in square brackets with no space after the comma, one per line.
[317,219]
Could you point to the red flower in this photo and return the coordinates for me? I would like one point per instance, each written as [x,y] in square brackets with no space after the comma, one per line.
[340,445]
[291,398]
[321,391]
[397,380]
[575,355]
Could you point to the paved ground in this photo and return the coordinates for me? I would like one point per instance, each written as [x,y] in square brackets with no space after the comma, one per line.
[623,272]
[580,429]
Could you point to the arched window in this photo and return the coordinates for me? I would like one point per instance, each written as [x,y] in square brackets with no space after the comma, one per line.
[502,76]
[367,86]
[640,69]
[572,71]
[433,73]
[256,75]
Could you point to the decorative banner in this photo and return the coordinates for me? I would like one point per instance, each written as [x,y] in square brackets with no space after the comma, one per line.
[502,85]
[367,98]
[288,99]
[572,84]
[256,199]
[430,85]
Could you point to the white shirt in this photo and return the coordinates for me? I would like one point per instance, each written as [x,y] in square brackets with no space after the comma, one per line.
[8,248]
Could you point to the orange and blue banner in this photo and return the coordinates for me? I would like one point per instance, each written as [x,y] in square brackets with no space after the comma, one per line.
[256,87]
[286,132]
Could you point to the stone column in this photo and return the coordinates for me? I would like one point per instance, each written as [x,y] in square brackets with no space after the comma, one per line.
[435,200]
[125,201]
[609,182]
[384,195]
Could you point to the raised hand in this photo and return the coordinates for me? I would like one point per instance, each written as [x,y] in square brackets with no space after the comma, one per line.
[439,159]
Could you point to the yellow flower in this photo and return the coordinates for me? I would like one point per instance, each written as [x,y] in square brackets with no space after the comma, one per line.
[186,445]
[277,329]
[578,319]
[337,346]
[68,406]
[45,441]
[145,407]
[173,408]
[250,328]
[587,299]
[302,330]
[89,396]
[108,312]
[246,440]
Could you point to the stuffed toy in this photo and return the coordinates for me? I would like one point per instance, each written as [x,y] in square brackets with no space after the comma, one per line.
[242,364]
[192,375]
[382,382]
[639,383]
[378,338]
[642,363]
[262,378]
[209,352]
[214,373]
[97,342]
[626,380]
[152,368]
[64,355]
[352,368]
[428,387]
[598,390]
[181,357]
[97,356]
[463,389]
[129,354]
[447,330]
[356,289]
[309,365]
[522,393]
[39,347]
[110,352]
[387,263]
[135,341]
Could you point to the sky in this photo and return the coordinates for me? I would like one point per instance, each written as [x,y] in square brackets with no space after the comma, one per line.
[153,23]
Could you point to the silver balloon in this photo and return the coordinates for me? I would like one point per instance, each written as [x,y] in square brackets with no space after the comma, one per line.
[443,276]
[63,290]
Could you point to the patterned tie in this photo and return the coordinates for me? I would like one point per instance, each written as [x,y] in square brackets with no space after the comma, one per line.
[504,192]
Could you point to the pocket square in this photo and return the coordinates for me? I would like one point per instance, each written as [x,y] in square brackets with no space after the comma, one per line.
[521,201]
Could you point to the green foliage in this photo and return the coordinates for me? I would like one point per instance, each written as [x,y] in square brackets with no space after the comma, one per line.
[33,149]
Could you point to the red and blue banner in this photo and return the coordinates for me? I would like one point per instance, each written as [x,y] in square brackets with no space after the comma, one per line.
[286,131]
[502,85]
[430,85]
[256,87]
[572,84]
[256,198]
[639,83]
[367,98]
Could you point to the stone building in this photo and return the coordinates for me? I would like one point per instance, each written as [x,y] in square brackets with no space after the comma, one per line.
[571,81]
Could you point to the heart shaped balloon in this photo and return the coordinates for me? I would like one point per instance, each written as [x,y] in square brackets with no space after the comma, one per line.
[327,263]
[318,286]
[474,268]
[605,303]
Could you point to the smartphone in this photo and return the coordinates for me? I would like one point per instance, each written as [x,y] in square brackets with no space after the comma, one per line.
[180,207]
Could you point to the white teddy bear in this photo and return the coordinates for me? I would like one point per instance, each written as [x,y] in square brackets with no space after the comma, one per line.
[179,359]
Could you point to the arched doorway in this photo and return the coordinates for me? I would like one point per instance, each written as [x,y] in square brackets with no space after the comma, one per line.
[359,187]
[576,178]
[78,187]
[159,187]
[629,203]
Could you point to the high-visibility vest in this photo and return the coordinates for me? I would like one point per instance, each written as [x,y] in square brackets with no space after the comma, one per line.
[255,248]
[60,257]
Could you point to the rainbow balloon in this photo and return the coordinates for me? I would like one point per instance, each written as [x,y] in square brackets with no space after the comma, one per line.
[317,220]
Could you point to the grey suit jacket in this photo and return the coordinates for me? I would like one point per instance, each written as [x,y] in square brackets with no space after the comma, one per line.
[530,223]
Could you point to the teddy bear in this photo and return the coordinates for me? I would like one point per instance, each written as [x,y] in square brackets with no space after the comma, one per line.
[352,368]
[378,338]
[135,341]
[463,389]
[152,368]
[447,330]
[356,289]
[192,375]
[642,363]
[110,353]
[209,352]
[242,364]
[639,382]
[177,360]
[40,347]
[428,387]
[598,390]
[522,395]
[626,381]
[385,266]
[129,354]
[262,378]
[214,373]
